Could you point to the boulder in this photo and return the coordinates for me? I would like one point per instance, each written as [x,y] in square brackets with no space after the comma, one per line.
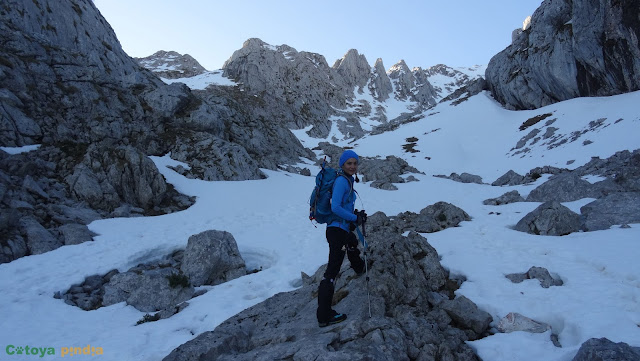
[539,273]
[509,197]
[433,218]
[510,178]
[212,257]
[39,239]
[466,314]
[564,187]
[462,178]
[74,233]
[550,219]
[148,291]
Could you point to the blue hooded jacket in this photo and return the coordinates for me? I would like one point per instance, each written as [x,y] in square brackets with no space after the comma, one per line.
[343,200]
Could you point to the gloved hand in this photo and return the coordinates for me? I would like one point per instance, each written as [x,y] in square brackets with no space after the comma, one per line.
[361,217]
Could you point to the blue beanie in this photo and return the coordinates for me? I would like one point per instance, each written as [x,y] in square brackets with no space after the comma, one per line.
[346,155]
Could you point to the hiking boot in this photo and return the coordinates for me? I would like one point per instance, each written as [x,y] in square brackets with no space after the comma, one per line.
[333,319]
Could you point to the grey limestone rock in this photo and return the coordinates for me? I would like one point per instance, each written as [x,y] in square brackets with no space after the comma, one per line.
[509,197]
[564,187]
[212,257]
[403,79]
[464,312]
[147,291]
[539,273]
[39,239]
[550,219]
[433,218]
[108,177]
[510,178]
[603,349]
[462,178]
[74,233]
[354,69]
[571,49]
[615,208]
[380,85]
[386,170]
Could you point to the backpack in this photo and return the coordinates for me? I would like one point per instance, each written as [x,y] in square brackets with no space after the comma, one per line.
[320,200]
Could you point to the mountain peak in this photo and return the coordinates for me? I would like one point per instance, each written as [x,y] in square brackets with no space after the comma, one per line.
[172,65]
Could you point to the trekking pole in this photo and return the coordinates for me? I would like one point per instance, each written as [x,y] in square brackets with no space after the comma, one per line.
[366,265]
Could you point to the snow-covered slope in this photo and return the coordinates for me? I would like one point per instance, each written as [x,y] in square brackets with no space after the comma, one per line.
[266,217]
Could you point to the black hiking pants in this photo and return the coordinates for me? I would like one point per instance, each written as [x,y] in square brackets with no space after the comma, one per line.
[340,242]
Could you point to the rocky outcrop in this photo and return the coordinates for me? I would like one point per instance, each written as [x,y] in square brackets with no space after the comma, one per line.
[462,178]
[564,187]
[510,178]
[602,349]
[509,197]
[414,314]
[550,219]
[172,65]
[68,80]
[106,179]
[617,196]
[434,218]
[147,290]
[616,208]
[571,49]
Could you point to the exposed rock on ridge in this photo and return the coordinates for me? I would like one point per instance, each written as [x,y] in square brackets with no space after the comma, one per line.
[571,49]
[171,65]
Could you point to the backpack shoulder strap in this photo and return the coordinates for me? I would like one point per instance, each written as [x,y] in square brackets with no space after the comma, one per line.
[339,173]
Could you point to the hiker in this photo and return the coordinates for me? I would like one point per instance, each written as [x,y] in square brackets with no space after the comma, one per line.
[340,238]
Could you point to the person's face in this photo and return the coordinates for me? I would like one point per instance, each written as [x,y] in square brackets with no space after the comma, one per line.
[350,167]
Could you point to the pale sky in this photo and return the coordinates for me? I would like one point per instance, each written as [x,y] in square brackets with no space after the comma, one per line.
[423,33]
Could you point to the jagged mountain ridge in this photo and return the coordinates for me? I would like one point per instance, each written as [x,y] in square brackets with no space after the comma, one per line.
[351,94]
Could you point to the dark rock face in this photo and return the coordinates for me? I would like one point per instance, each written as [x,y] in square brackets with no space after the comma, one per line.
[414,314]
[571,49]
